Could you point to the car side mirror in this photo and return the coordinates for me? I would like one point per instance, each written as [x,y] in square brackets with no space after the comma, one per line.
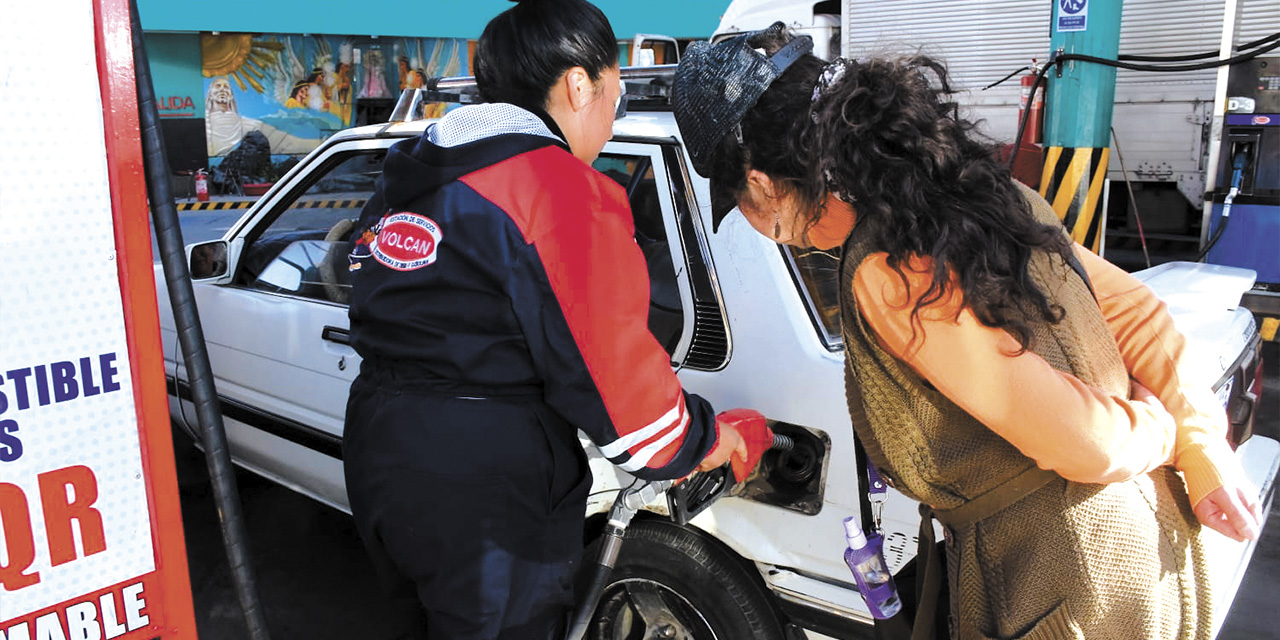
[207,260]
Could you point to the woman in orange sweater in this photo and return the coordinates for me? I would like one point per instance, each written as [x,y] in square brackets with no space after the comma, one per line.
[985,349]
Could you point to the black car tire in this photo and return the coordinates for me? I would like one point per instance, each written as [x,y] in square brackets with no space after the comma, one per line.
[705,592]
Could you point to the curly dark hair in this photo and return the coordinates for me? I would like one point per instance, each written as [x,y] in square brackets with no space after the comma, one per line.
[923,181]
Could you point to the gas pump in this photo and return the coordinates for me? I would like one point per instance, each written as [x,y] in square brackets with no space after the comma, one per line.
[1244,222]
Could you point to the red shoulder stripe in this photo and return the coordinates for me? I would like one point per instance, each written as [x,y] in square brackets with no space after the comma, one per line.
[580,223]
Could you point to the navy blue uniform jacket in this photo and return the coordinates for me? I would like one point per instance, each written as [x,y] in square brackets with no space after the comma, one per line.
[509,263]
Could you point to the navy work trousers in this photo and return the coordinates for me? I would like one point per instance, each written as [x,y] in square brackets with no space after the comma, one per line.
[473,503]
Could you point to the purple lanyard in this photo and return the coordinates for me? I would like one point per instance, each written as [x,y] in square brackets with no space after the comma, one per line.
[875,484]
[877,493]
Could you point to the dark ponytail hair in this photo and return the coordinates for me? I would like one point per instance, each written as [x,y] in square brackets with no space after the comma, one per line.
[923,181]
[525,49]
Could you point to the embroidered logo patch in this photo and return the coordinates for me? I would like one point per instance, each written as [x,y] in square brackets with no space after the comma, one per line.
[407,241]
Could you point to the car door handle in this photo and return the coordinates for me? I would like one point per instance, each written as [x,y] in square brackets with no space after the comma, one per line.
[336,334]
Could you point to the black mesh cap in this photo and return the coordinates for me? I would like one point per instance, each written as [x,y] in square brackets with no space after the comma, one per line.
[715,86]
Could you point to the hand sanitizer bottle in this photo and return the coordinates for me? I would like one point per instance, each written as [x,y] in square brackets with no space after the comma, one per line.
[867,563]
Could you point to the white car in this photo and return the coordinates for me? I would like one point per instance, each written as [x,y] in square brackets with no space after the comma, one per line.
[747,323]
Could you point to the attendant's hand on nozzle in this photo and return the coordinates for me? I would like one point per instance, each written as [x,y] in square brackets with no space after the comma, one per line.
[744,437]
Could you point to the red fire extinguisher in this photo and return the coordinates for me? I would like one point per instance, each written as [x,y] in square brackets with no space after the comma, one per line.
[1032,135]
[202,186]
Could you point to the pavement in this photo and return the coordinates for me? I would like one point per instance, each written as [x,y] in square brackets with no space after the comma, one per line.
[202,226]
[314,581]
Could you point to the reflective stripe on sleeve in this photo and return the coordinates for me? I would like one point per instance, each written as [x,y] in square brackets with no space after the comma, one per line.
[643,456]
[621,445]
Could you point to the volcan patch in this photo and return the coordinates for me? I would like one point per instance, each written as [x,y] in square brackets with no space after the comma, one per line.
[406,241]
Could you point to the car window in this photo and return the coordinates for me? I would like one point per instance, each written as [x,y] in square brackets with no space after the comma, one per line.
[819,273]
[303,251]
[666,311]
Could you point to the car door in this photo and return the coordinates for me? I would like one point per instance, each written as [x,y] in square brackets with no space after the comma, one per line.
[277,332]
[638,168]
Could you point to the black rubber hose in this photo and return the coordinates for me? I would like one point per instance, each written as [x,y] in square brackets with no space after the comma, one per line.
[1002,80]
[1238,164]
[1217,235]
[1026,113]
[1197,56]
[1168,68]
[177,277]
[599,579]
[610,546]
[1242,49]
[1057,61]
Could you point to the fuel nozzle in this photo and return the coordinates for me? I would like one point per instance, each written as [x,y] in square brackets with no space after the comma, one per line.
[1241,155]
[1241,151]
[1239,161]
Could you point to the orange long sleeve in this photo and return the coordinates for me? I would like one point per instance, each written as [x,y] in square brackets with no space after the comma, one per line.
[1154,353]
[1078,431]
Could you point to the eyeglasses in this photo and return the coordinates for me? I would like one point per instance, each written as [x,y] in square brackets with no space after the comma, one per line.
[620,105]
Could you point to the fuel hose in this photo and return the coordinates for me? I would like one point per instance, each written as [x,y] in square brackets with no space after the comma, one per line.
[1237,178]
[1057,60]
[625,507]
[164,217]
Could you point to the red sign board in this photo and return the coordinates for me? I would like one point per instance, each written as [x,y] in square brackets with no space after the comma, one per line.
[176,106]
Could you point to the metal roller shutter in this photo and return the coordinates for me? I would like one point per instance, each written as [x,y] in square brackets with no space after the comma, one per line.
[983,40]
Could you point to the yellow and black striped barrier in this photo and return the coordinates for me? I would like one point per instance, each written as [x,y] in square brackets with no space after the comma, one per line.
[1072,182]
[224,205]
[221,205]
[350,203]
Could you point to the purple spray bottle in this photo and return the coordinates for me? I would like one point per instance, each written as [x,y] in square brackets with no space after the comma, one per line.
[867,563]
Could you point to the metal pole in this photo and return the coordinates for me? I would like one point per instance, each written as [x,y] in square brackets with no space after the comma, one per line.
[191,337]
[1081,97]
[1230,20]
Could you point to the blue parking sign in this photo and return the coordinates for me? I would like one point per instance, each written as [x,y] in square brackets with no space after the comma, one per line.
[1073,15]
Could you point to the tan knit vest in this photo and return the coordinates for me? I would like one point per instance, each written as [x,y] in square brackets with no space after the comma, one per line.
[1103,562]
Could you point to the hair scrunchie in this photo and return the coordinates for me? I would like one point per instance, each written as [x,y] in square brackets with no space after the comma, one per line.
[831,74]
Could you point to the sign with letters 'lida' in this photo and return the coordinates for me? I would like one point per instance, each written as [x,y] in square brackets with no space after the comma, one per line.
[89,515]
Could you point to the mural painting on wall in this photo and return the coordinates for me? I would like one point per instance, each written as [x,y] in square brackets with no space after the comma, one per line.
[299,90]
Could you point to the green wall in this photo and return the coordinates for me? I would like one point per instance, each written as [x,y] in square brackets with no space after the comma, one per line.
[424,18]
[175,72]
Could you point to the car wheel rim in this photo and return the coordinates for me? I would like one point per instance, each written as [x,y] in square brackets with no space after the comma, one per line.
[640,609]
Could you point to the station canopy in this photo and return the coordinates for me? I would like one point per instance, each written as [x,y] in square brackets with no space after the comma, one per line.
[424,18]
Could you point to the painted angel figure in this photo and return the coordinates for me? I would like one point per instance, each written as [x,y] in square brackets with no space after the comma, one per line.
[344,77]
[287,73]
[375,79]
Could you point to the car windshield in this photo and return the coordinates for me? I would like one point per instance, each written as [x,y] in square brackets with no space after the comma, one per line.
[818,275]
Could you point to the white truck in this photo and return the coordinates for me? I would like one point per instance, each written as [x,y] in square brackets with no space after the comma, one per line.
[1162,123]
[747,324]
